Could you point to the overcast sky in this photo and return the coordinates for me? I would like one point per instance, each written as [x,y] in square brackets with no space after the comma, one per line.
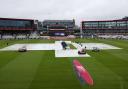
[64,9]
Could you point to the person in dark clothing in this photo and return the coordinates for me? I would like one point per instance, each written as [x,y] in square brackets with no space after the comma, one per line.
[64,45]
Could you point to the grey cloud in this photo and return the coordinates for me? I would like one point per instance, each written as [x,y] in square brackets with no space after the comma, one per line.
[64,9]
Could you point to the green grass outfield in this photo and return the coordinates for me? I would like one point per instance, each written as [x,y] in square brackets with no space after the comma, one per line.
[41,70]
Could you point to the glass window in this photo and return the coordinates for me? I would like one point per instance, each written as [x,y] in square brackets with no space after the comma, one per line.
[121,24]
[90,24]
[14,23]
[127,24]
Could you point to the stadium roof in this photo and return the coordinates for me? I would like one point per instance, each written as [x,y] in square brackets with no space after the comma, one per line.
[58,21]
[14,19]
[123,19]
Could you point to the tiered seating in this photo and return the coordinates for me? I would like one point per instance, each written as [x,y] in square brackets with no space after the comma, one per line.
[7,36]
[34,36]
[21,36]
[113,36]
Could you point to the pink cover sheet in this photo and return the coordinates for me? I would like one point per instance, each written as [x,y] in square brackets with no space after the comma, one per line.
[82,72]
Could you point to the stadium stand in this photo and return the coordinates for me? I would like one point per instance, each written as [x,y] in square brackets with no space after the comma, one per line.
[113,37]
[21,36]
[7,36]
[11,28]
[106,28]
[34,35]
[59,28]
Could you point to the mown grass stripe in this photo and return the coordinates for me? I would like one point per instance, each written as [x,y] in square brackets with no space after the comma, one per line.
[20,72]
